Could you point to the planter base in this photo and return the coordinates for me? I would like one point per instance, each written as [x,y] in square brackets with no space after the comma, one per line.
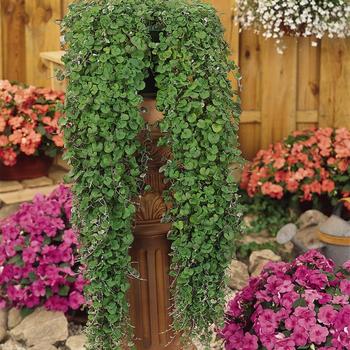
[150,297]
[27,167]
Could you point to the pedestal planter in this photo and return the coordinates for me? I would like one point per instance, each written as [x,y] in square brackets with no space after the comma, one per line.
[150,304]
[26,167]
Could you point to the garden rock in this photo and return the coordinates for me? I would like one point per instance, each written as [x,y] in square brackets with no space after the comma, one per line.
[42,326]
[14,318]
[237,274]
[76,342]
[12,345]
[3,324]
[248,219]
[8,210]
[286,248]
[259,259]
[43,346]
[311,217]
[246,239]
[286,233]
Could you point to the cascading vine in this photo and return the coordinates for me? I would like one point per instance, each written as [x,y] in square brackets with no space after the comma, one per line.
[109,54]
[195,96]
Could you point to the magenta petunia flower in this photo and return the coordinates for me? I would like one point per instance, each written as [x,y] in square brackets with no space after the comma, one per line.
[318,334]
[302,305]
[76,299]
[327,314]
[39,255]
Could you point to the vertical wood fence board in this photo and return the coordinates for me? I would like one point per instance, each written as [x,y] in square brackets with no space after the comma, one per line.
[335,83]
[250,66]
[308,78]
[249,139]
[65,4]
[250,91]
[1,43]
[225,9]
[278,85]
[42,34]
[13,20]
[308,74]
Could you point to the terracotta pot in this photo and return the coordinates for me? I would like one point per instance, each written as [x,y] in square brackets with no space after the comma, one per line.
[149,295]
[27,167]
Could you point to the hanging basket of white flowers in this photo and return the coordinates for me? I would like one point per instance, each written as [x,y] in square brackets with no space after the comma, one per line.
[279,18]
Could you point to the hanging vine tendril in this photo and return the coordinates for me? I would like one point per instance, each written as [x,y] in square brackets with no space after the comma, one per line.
[110,53]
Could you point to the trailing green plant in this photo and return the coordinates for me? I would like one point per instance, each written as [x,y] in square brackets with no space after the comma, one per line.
[268,214]
[110,53]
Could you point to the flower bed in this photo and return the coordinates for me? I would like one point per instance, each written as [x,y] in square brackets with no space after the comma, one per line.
[310,168]
[39,255]
[300,305]
[28,122]
[277,18]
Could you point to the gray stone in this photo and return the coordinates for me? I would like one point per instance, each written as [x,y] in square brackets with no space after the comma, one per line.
[14,318]
[3,324]
[237,274]
[310,218]
[7,210]
[286,233]
[43,346]
[286,248]
[12,345]
[76,342]
[41,326]
[258,259]
[10,186]
[246,239]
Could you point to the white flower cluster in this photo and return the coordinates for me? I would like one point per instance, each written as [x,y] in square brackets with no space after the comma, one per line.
[277,18]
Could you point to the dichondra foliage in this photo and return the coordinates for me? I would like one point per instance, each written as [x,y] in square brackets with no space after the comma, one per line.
[110,53]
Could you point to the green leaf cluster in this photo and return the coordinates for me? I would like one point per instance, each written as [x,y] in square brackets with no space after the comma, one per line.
[110,53]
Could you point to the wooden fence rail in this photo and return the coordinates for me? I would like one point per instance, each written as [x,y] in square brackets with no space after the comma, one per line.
[307,86]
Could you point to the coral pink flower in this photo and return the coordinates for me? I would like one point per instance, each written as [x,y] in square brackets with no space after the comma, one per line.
[4,140]
[2,124]
[328,185]
[28,121]
[274,191]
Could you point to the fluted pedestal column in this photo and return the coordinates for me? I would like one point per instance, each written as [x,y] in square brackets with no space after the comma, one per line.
[150,305]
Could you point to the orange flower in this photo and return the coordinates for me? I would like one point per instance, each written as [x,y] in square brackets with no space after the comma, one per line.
[16,122]
[4,140]
[58,140]
[2,124]
[328,185]
[272,190]
[16,137]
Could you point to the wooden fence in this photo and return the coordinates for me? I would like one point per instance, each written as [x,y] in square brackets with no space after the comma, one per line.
[306,86]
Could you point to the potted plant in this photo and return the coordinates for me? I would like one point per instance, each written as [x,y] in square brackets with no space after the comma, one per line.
[292,306]
[308,169]
[29,134]
[276,19]
[164,176]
